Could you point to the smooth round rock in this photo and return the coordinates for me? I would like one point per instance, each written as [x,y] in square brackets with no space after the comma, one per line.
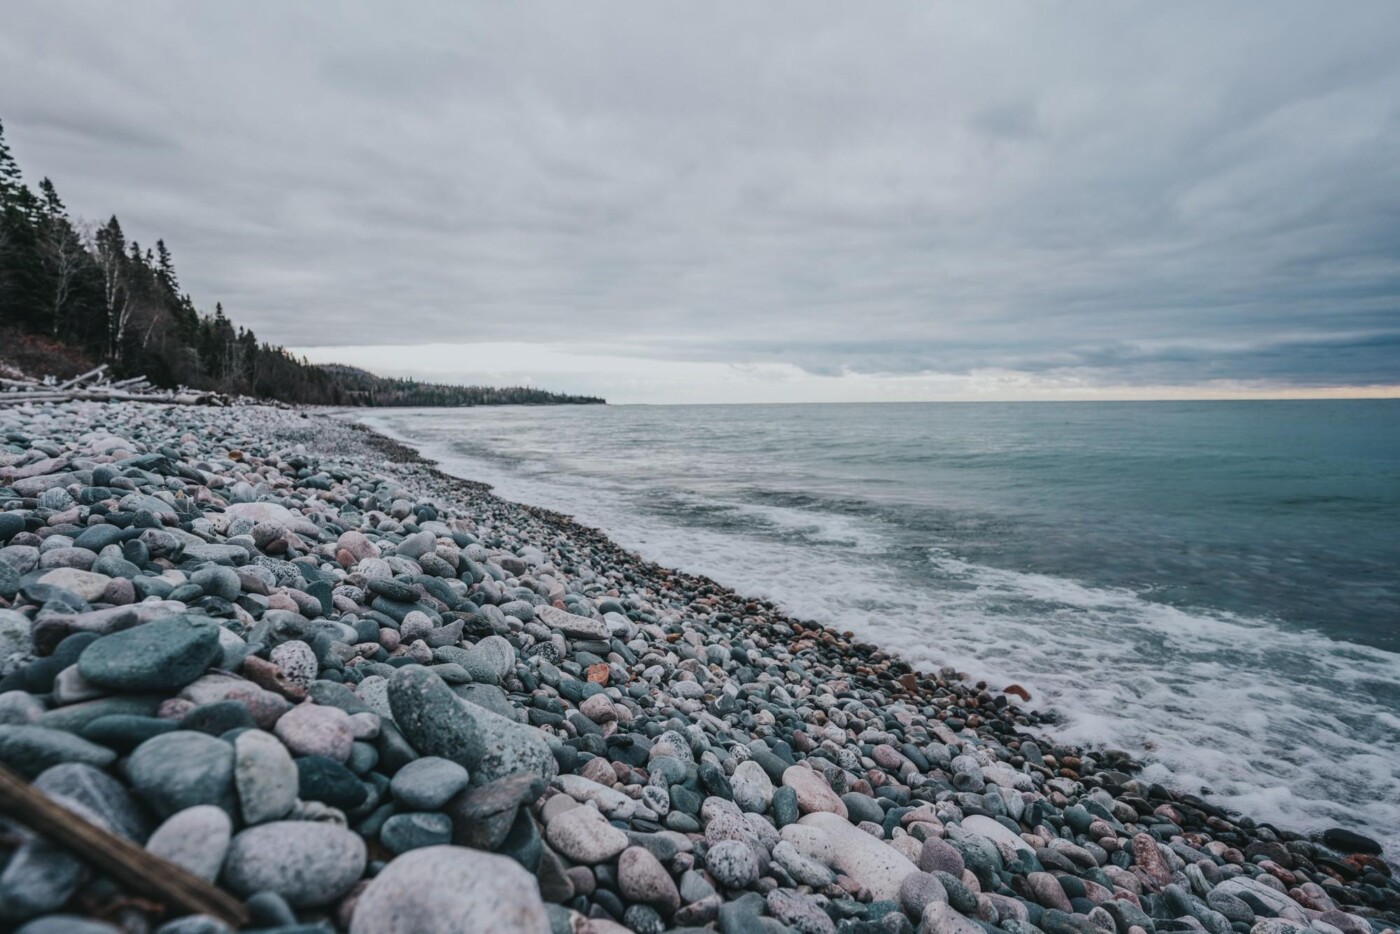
[449,890]
[316,730]
[195,839]
[265,776]
[179,770]
[733,864]
[642,878]
[585,836]
[800,912]
[325,780]
[305,862]
[297,660]
[813,793]
[940,918]
[218,581]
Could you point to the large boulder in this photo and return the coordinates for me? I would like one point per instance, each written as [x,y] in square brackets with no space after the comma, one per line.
[436,723]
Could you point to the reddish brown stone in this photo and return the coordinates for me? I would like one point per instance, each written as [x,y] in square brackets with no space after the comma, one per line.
[598,674]
[265,674]
[1149,864]
[1017,690]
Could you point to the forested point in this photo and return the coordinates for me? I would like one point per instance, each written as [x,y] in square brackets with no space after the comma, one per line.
[75,294]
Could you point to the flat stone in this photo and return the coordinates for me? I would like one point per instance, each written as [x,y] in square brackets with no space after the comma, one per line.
[16,645]
[100,793]
[30,749]
[610,801]
[492,656]
[195,839]
[87,584]
[571,624]
[162,655]
[307,863]
[1149,863]
[404,832]
[483,817]
[804,869]
[265,706]
[585,836]
[67,924]
[449,890]
[1348,841]
[919,889]
[1048,891]
[997,833]
[428,783]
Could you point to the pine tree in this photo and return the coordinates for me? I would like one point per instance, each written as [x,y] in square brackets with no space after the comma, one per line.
[10,179]
[165,267]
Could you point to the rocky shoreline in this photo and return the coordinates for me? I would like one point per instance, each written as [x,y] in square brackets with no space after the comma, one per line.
[289,655]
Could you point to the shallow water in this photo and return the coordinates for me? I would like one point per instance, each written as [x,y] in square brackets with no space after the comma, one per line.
[1213,585]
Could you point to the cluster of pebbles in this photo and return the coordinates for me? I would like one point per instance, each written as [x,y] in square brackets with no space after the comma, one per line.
[291,657]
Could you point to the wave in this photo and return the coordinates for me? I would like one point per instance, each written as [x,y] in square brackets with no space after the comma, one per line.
[1283,724]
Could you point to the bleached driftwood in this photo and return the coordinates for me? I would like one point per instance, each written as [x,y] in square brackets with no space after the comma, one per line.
[94,386]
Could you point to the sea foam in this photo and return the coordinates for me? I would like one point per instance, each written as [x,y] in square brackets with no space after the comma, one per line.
[1195,694]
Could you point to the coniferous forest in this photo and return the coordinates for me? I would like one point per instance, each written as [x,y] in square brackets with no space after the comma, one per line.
[75,294]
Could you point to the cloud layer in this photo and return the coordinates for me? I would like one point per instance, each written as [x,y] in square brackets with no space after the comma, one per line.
[1132,194]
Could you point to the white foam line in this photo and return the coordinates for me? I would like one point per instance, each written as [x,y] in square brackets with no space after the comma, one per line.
[1199,695]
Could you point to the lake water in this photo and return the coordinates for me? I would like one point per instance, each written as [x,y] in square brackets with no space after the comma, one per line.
[1214,586]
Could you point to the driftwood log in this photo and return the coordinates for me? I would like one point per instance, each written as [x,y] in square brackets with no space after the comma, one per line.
[119,858]
[94,386]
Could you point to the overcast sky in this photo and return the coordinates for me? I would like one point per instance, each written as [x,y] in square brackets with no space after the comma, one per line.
[751,201]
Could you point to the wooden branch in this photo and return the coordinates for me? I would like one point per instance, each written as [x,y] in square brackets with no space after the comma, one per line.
[79,379]
[116,856]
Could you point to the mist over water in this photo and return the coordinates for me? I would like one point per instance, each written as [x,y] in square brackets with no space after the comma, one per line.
[1213,586]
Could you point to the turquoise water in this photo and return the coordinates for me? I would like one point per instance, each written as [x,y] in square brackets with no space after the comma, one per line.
[1214,585]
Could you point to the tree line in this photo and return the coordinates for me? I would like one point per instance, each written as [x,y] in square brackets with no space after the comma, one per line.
[88,291]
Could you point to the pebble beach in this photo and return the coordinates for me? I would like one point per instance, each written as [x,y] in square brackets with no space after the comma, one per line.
[292,657]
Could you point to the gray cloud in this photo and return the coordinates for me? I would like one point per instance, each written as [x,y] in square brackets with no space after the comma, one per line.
[1141,193]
